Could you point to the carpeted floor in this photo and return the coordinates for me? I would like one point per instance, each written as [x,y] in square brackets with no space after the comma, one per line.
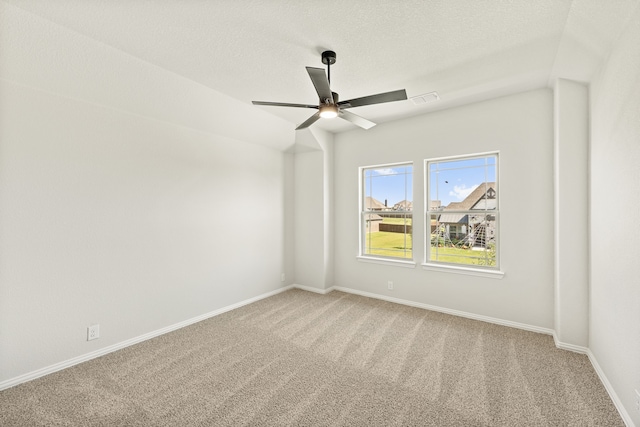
[304,359]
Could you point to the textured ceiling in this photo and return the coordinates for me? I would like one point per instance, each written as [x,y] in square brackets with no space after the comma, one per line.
[466,50]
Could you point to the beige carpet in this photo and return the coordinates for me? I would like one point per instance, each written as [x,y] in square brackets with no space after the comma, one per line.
[304,359]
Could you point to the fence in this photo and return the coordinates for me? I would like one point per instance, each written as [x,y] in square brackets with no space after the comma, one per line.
[395,228]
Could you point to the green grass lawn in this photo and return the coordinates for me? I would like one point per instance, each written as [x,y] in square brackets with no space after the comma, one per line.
[389,244]
[462,256]
[393,244]
[401,221]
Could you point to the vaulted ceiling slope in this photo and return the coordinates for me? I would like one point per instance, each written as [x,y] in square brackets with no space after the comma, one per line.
[466,50]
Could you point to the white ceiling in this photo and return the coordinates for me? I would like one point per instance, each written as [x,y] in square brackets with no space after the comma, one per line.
[466,50]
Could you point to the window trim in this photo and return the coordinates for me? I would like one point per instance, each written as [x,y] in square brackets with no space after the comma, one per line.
[381,259]
[442,266]
[400,262]
[461,269]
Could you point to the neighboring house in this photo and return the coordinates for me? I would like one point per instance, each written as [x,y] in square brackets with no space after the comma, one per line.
[373,222]
[436,205]
[404,205]
[459,225]
[371,204]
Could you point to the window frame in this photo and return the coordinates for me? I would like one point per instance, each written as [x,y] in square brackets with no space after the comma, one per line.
[443,266]
[382,259]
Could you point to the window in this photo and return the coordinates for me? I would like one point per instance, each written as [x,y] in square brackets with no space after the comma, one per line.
[462,215]
[386,211]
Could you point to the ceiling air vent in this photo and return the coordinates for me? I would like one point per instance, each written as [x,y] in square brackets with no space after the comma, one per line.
[426,98]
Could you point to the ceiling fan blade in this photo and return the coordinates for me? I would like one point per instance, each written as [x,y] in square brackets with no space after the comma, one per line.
[396,95]
[356,119]
[321,83]
[311,120]
[283,104]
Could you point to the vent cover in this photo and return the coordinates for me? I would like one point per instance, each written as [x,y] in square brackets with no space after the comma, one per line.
[426,98]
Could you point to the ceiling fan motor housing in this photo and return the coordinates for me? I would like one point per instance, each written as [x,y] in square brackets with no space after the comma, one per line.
[327,101]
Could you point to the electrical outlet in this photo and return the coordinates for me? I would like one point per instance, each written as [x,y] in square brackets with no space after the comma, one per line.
[637,400]
[390,285]
[282,277]
[93,332]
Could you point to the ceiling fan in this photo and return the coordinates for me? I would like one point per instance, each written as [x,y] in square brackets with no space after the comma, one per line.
[329,105]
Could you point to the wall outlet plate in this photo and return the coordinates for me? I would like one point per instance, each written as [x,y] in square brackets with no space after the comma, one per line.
[390,285]
[93,332]
[637,400]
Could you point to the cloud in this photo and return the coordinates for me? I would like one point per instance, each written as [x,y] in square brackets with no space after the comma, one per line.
[385,171]
[461,191]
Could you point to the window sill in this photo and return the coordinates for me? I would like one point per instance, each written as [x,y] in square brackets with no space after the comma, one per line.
[384,261]
[493,274]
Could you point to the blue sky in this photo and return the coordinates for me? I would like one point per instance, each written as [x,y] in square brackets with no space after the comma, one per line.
[454,181]
[450,181]
[391,184]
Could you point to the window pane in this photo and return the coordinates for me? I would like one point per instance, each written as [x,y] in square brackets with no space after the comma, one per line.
[388,234]
[463,211]
[454,181]
[386,187]
[472,241]
[387,206]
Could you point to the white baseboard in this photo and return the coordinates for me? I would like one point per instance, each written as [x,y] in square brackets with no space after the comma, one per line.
[472,316]
[612,393]
[570,347]
[101,352]
[312,289]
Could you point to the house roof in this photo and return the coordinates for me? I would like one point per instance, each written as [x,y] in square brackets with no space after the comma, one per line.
[404,204]
[472,199]
[454,206]
[485,204]
[453,218]
[372,204]
[475,200]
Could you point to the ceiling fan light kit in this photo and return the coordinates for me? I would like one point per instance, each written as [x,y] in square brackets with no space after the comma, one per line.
[328,111]
[329,105]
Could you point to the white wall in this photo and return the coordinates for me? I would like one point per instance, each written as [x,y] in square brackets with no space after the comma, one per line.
[313,214]
[571,245]
[114,216]
[521,128]
[309,219]
[614,337]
